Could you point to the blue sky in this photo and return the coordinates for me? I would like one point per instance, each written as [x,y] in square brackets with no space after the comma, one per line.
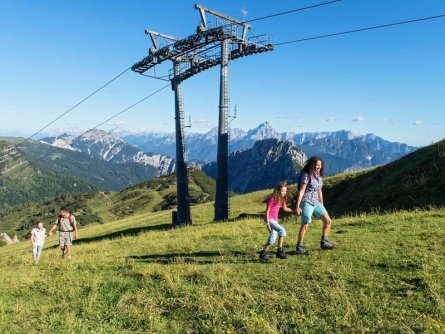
[390,82]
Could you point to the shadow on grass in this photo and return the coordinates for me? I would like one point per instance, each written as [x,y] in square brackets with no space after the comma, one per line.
[245,215]
[203,257]
[122,233]
[259,215]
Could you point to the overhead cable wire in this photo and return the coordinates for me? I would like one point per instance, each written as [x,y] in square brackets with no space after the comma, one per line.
[361,29]
[283,13]
[292,11]
[107,120]
[75,106]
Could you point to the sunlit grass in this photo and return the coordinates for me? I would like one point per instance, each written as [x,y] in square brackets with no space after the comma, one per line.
[138,275]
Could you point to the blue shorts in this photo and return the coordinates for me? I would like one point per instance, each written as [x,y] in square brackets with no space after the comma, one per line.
[276,229]
[308,210]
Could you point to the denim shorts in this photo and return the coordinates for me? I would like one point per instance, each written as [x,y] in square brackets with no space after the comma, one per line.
[277,229]
[308,210]
[37,250]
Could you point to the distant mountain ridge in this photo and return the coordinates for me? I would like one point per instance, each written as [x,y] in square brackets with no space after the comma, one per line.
[342,150]
[100,144]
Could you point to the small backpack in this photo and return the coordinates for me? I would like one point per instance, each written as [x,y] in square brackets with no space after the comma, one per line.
[70,218]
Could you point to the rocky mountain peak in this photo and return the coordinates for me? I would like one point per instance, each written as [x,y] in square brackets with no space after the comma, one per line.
[263,131]
[102,136]
[262,166]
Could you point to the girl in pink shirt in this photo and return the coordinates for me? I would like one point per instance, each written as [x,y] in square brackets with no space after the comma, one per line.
[274,203]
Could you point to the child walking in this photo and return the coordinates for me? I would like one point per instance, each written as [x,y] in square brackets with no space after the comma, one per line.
[274,203]
[310,202]
[38,235]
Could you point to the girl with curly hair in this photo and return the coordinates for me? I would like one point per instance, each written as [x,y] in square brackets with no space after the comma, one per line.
[310,202]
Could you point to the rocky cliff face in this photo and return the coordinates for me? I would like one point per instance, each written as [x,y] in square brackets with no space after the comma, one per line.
[262,166]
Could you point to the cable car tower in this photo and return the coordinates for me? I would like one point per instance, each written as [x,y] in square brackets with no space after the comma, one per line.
[211,45]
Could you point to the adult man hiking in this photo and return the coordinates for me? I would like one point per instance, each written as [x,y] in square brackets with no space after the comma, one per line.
[66,224]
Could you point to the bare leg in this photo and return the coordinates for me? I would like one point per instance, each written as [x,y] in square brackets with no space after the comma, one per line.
[302,233]
[68,250]
[327,221]
[280,241]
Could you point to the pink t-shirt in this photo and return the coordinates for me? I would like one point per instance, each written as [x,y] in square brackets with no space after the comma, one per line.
[274,207]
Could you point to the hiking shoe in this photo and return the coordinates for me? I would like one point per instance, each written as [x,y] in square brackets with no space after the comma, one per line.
[263,255]
[281,254]
[301,250]
[325,244]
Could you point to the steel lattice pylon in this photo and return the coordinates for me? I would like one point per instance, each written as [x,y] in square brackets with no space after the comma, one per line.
[208,47]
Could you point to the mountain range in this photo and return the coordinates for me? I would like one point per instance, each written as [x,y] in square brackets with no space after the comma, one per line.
[99,160]
[341,150]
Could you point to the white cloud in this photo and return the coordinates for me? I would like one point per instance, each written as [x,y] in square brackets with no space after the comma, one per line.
[418,122]
[330,119]
[358,119]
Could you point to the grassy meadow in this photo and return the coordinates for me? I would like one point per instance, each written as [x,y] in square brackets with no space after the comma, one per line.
[138,275]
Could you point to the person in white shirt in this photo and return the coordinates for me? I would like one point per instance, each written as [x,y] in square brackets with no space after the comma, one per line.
[38,235]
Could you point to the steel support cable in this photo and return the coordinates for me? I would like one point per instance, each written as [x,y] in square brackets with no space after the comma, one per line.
[293,11]
[75,106]
[361,29]
[285,13]
[107,120]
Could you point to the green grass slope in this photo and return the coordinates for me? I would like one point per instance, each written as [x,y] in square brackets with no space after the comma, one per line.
[414,181]
[137,275]
[101,207]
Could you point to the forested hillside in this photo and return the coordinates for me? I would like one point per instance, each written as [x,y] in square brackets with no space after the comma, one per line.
[32,173]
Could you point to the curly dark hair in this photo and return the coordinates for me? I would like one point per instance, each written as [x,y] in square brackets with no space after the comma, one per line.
[309,166]
[277,191]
